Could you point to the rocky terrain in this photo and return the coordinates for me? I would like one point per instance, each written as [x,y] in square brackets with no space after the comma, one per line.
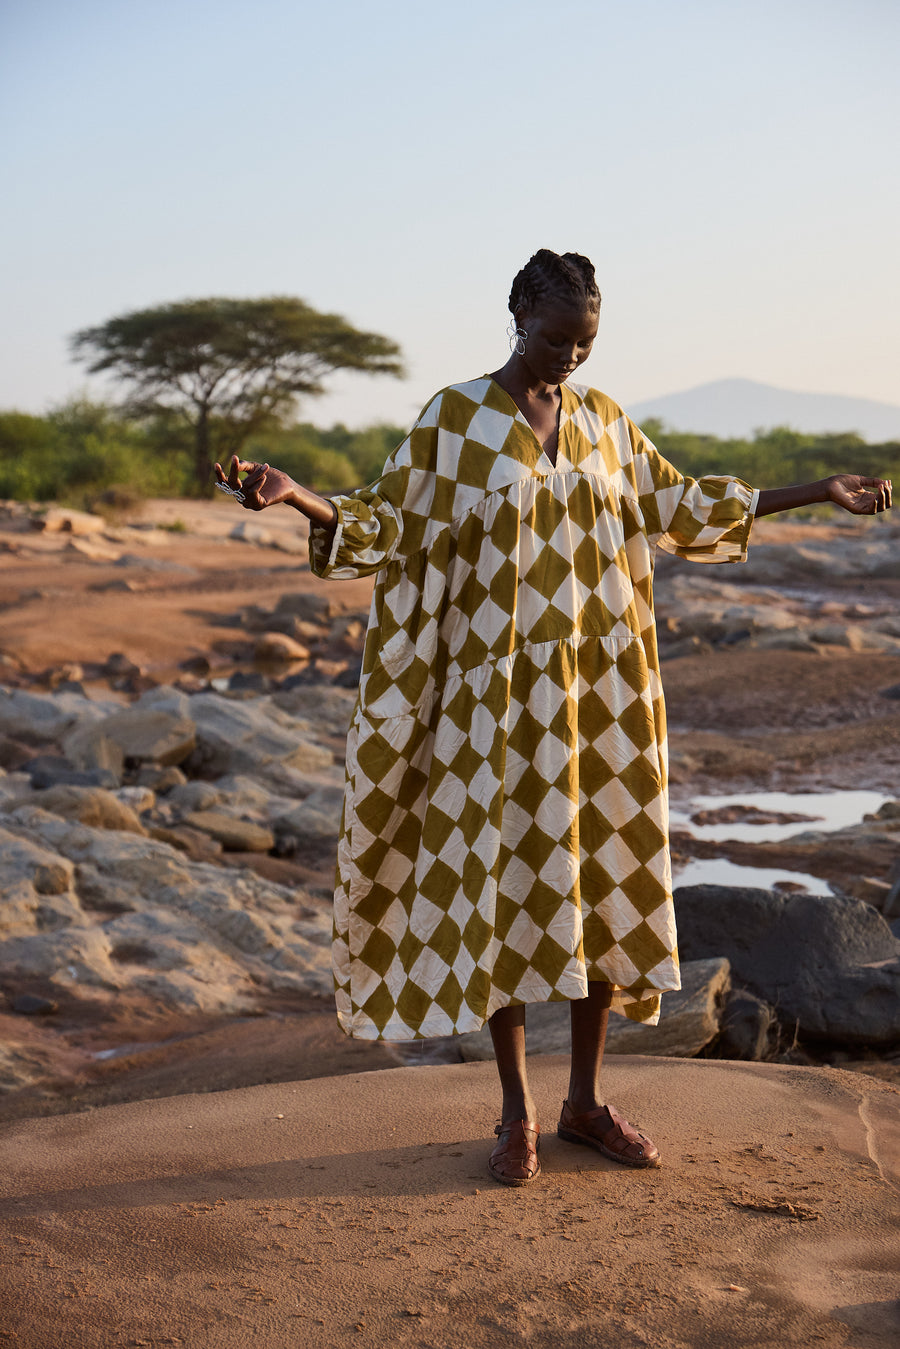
[176,689]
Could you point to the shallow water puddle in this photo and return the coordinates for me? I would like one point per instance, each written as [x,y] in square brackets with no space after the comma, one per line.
[824,812]
[719,871]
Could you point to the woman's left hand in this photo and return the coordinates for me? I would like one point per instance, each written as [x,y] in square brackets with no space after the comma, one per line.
[263,486]
[860,496]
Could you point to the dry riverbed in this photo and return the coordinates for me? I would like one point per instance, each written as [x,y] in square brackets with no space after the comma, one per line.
[782,674]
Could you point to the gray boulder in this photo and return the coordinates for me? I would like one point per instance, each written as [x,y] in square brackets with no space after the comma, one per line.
[248,531]
[165,698]
[250,796]
[236,736]
[891,909]
[773,563]
[317,818]
[188,796]
[86,908]
[789,640]
[43,719]
[749,1027]
[53,770]
[30,877]
[89,749]
[853,636]
[327,708]
[830,966]
[310,606]
[149,734]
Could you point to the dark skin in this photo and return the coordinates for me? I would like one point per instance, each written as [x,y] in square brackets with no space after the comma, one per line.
[560,336]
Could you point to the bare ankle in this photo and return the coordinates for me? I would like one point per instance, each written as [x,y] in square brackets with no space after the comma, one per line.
[518,1107]
[579,1102]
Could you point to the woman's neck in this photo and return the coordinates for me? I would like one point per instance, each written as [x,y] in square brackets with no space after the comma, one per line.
[519,382]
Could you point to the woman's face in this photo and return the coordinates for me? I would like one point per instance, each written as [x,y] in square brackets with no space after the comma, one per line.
[560,337]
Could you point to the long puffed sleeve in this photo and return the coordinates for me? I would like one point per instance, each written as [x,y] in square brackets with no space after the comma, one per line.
[375,524]
[703,519]
[368,529]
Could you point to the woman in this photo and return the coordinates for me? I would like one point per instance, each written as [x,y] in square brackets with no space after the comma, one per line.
[505,830]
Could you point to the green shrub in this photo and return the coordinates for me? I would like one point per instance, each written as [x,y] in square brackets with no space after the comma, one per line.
[82,452]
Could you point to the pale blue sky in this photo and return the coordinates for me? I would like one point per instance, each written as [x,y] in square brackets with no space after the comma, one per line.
[730,168]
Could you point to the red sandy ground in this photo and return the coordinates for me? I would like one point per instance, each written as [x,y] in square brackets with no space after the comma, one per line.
[356,1208]
[745,718]
[358,1211]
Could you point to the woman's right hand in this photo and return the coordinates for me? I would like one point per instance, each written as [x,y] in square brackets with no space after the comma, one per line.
[263,486]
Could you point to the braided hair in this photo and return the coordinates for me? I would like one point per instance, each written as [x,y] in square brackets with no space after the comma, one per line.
[557,276]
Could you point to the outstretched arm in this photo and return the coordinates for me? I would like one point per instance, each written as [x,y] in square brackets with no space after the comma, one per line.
[265,486]
[860,496]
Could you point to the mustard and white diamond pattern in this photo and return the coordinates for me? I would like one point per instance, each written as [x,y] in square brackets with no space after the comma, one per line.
[505,831]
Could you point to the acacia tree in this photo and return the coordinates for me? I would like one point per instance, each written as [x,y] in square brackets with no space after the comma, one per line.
[229,368]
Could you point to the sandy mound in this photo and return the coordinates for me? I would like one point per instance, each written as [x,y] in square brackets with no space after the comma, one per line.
[358,1210]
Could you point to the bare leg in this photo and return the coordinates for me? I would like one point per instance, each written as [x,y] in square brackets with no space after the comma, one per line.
[508,1034]
[590,1017]
[514,1161]
[585,1117]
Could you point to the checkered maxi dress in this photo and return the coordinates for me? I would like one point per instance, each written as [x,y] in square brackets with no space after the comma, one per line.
[505,828]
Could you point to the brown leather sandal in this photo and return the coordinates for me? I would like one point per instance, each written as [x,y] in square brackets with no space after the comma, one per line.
[610,1133]
[515,1160]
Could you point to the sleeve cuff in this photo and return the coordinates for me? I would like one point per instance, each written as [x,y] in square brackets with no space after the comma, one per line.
[320,565]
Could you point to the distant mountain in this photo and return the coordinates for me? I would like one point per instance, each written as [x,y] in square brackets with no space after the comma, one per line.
[737,407]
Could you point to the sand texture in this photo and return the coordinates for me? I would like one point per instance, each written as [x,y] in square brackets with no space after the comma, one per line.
[358,1211]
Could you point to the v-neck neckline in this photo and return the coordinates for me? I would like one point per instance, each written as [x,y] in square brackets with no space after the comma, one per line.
[560,423]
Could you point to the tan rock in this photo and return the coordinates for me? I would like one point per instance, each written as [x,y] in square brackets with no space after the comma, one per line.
[29,1054]
[63,520]
[40,718]
[94,550]
[52,877]
[70,955]
[309,758]
[304,631]
[138,799]
[160,779]
[871,890]
[196,845]
[28,870]
[277,648]
[70,672]
[235,835]
[88,805]
[197,795]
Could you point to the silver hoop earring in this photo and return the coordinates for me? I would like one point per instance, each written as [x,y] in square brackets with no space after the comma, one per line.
[517,337]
